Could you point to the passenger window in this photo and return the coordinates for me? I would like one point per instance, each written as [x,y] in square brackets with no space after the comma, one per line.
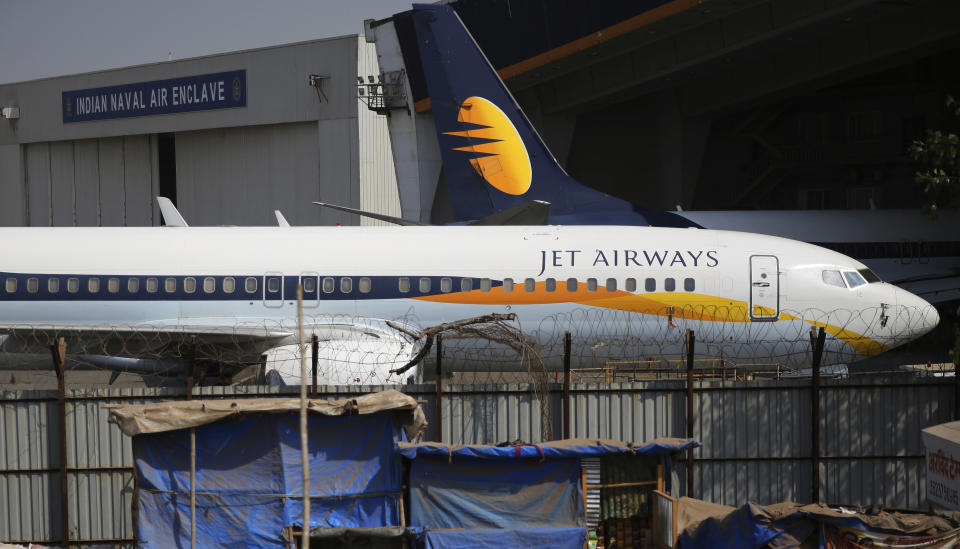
[630,285]
[571,284]
[309,284]
[273,284]
[170,285]
[346,285]
[833,278]
[93,285]
[153,285]
[73,285]
[329,285]
[611,284]
[853,279]
[403,284]
[11,285]
[650,285]
[689,284]
[250,285]
[190,284]
[485,284]
[530,285]
[364,285]
[669,285]
[133,285]
[229,285]
[551,284]
[466,284]
[33,285]
[446,285]
[508,284]
[53,285]
[209,285]
[113,285]
[424,285]
[591,284]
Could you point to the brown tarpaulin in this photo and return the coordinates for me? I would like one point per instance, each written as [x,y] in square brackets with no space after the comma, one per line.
[137,419]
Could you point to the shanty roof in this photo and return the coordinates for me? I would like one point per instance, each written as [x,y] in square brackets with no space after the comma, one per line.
[568,448]
[159,417]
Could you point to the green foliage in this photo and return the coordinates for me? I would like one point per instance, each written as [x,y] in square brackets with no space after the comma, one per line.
[939,158]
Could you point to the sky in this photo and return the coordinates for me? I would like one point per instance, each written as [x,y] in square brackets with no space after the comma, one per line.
[43,38]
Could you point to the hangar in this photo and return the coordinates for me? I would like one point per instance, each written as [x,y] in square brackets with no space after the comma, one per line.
[229,138]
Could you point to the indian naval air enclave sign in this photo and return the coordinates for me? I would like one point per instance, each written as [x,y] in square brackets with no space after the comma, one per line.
[223,90]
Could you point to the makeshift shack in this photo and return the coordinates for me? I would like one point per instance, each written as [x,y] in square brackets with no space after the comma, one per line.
[555,494]
[248,481]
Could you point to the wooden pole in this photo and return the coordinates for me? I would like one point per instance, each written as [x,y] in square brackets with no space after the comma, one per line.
[566,385]
[817,339]
[691,342]
[304,450]
[59,351]
[439,388]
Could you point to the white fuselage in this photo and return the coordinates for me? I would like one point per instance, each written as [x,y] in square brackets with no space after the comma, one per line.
[622,292]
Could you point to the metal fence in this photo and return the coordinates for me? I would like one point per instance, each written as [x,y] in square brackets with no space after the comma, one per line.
[757,440]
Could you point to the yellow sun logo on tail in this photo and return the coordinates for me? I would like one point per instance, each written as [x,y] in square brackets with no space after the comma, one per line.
[501,159]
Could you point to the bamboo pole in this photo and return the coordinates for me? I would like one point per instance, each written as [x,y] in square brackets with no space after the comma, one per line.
[304,451]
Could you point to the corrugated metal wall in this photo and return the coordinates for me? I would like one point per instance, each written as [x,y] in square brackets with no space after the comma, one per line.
[378,179]
[755,435]
[104,182]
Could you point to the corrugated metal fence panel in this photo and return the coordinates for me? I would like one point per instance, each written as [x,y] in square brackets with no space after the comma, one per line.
[756,440]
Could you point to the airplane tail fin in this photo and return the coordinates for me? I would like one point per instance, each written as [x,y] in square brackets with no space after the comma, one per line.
[493,158]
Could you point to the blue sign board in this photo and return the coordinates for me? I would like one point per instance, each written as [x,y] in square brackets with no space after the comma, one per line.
[224,90]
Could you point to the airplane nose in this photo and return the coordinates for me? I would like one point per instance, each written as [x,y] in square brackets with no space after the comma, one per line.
[923,316]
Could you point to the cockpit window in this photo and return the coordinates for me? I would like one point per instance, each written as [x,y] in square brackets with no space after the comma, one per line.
[854,279]
[833,278]
[869,276]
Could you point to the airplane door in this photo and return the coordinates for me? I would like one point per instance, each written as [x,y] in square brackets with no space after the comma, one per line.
[764,288]
[273,290]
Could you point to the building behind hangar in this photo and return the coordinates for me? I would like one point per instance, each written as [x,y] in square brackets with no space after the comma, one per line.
[228,137]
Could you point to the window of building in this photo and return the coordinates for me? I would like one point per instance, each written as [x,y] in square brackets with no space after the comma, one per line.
[93,285]
[591,284]
[153,285]
[364,285]
[113,285]
[485,284]
[170,285]
[329,285]
[346,284]
[53,285]
[33,285]
[650,285]
[424,284]
[229,285]
[209,285]
[466,284]
[73,285]
[133,285]
[669,285]
[446,285]
[689,284]
[551,284]
[530,285]
[833,278]
[630,285]
[190,284]
[572,284]
[611,284]
[403,284]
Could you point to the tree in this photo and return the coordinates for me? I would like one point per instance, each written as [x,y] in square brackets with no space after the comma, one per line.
[939,158]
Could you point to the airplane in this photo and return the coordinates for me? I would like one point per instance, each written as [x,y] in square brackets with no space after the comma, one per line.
[227,294]
[494,160]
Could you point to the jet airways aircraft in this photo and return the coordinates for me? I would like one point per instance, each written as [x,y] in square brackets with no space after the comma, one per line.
[622,291]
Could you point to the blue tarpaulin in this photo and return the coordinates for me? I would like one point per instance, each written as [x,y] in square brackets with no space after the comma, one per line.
[249,479]
[570,448]
[555,538]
